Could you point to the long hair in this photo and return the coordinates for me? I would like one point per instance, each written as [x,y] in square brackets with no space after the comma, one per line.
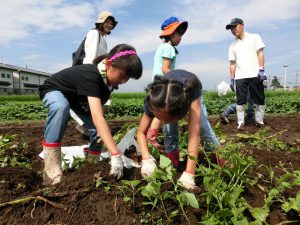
[131,64]
[172,95]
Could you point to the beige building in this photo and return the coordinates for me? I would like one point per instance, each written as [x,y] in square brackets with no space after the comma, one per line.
[18,80]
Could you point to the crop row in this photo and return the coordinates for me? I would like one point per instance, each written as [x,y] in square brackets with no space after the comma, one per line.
[132,105]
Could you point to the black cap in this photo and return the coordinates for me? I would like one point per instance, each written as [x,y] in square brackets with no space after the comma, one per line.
[234,22]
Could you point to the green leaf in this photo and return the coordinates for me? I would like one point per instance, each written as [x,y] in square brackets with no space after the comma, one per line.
[260,214]
[164,162]
[240,222]
[293,203]
[126,199]
[186,198]
[151,190]
[173,214]
[132,183]
[166,195]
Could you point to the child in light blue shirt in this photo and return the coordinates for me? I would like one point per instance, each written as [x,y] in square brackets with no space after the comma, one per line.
[163,52]
[164,61]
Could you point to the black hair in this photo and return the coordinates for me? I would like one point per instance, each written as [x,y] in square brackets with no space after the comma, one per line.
[180,30]
[171,95]
[131,64]
[99,26]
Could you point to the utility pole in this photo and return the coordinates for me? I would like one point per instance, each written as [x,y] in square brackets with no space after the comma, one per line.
[297,74]
[285,67]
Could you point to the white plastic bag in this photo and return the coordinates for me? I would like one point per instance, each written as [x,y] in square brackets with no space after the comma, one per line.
[223,87]
[77,151]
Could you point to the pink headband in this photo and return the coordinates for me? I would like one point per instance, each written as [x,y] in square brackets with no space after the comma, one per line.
[119,54]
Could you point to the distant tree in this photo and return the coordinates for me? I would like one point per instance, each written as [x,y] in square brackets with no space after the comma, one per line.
[275,83]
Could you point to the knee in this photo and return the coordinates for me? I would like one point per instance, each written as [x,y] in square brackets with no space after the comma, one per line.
[60,108]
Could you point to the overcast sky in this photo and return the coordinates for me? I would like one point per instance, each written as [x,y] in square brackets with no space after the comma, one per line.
[43,34]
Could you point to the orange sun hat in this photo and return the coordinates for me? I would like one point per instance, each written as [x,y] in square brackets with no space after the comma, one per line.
[171,24]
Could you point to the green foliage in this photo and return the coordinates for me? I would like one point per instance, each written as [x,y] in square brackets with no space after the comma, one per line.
[262,139]
[102,183]
[224,186]
[292,204]
[129,190]
[13,111]
[11,152]
[25,107]
[19,98]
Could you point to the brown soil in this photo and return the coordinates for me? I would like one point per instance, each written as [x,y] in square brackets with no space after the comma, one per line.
[76,200]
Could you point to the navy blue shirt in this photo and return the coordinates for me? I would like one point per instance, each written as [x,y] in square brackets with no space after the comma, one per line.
[182,76]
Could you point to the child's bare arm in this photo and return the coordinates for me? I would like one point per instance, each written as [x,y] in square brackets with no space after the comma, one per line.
[101,124]
[194,134]
[141,135]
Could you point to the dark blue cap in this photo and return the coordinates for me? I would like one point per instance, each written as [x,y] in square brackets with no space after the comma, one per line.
[234,22]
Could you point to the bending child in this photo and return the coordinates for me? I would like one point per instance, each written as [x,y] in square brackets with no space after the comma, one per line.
[85,89]
[169,99]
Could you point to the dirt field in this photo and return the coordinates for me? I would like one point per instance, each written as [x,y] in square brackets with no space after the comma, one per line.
[77,201]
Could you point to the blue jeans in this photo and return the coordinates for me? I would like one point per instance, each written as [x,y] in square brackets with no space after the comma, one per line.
[58,117]
[208,137]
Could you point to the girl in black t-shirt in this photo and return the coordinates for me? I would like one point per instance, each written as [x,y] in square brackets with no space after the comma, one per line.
[169,99]
[85,89]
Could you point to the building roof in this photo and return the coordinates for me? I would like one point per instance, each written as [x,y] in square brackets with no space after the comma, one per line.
[22,69]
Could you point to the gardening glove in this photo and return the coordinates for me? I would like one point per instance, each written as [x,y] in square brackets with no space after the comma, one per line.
[262,77]
[116,166]
[187,180]
[232,84]
[148,167]
[152,135]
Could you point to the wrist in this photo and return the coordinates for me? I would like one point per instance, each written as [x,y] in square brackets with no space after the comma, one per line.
[115,153]
[190,172]
[147,156]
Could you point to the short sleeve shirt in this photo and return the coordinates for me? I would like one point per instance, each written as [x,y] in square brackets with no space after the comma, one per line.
[183,77]
[165,50]
[76,83]
[244,53]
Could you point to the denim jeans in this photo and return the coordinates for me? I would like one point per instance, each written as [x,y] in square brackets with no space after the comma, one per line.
[58,117]
[208,137]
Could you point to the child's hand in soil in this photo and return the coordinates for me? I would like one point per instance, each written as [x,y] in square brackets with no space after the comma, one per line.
[148,166]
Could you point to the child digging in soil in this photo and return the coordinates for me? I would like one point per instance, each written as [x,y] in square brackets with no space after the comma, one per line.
[169,99]
[85,89]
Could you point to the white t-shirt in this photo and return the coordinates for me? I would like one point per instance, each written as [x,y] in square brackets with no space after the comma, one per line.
[244,53]
[92,47]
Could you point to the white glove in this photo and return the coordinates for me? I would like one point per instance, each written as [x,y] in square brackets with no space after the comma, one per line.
[116,166]
[148,167]
[187,180]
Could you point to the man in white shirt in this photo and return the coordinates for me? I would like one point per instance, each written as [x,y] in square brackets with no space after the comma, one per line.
[246,59]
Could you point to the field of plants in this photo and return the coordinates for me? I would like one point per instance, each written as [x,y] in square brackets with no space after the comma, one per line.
[130,105]
[260,184]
